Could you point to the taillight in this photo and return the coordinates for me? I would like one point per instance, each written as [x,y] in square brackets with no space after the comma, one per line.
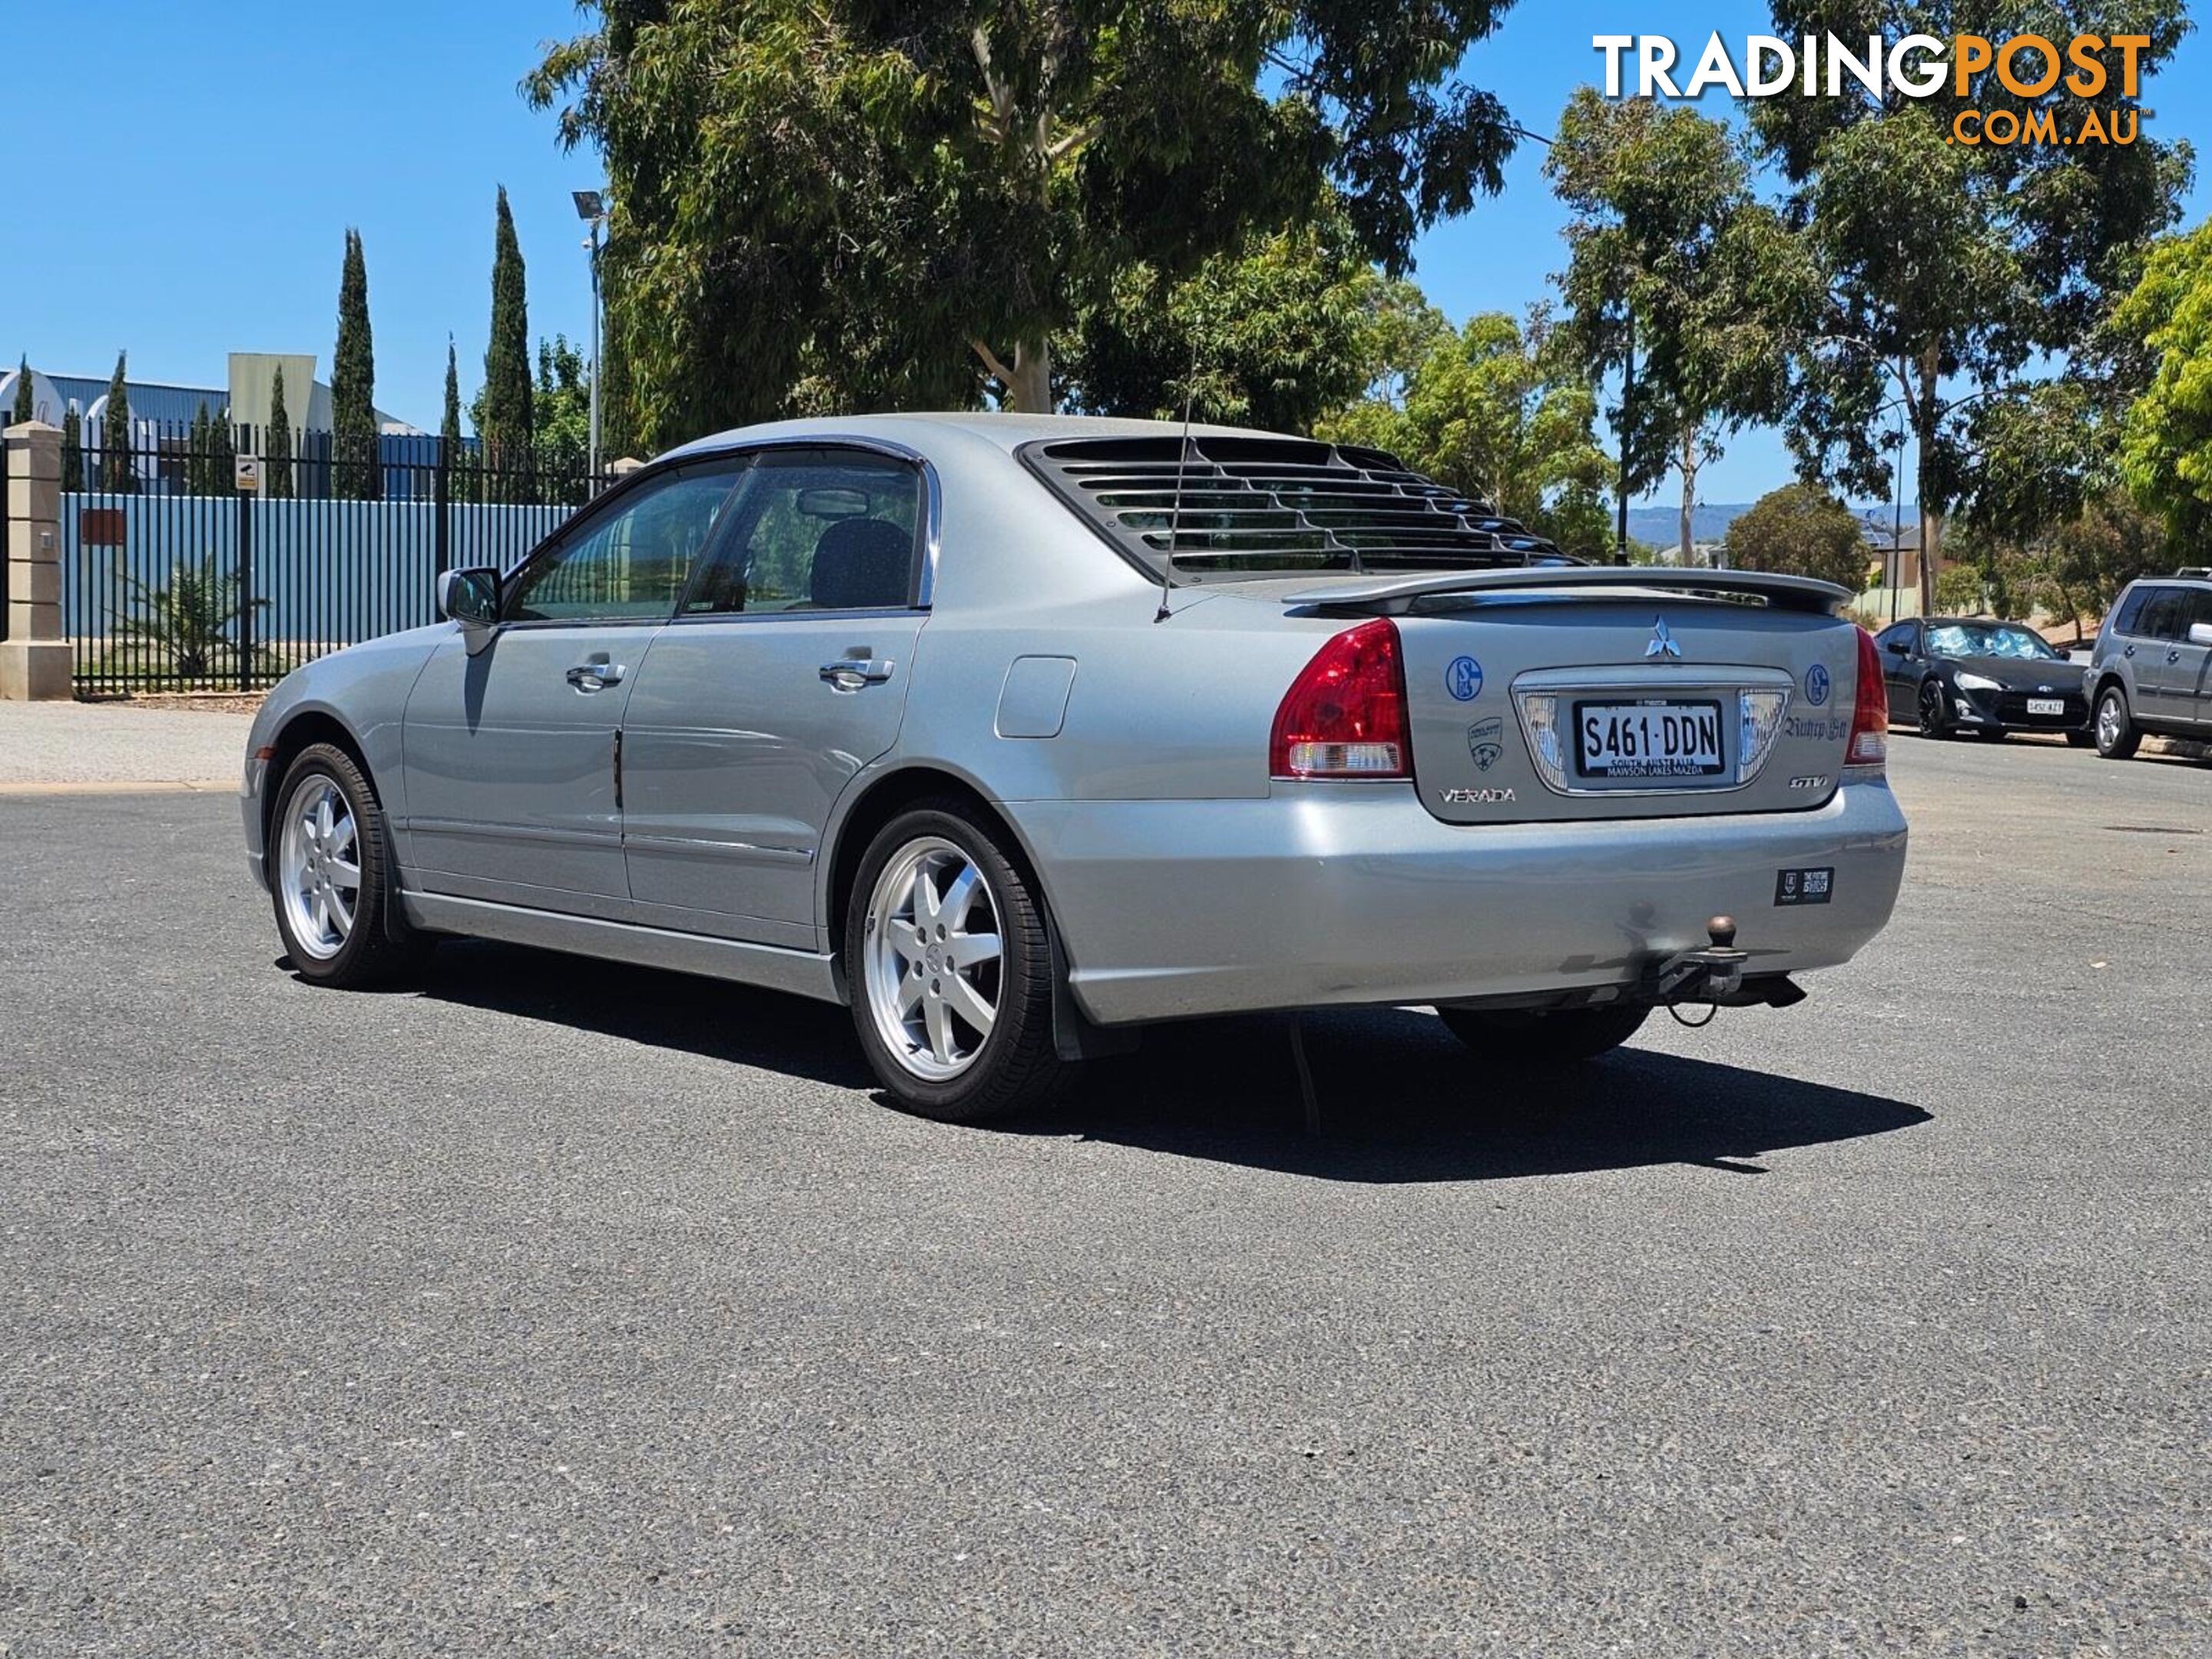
[1869,749]
[1344,715]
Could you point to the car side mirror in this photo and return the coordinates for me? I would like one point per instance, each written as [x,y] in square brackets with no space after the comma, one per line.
[2200,633]
[1895,647]
[470,598]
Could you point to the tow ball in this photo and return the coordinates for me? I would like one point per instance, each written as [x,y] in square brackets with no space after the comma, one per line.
[1712,974]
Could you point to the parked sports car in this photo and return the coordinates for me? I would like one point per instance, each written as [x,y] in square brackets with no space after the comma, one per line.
[1018,735]
[1952,674]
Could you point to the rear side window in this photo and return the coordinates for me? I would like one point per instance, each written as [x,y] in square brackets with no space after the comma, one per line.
[815,530]
[2130,620]
[2164,616]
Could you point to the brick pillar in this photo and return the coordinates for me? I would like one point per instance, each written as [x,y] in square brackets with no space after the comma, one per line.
[34,658]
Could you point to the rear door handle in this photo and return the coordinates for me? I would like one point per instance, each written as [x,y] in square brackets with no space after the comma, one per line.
[596,676]
[851,673]
[2173,656]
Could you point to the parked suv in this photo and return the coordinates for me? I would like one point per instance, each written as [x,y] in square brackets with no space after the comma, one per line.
[2152,669]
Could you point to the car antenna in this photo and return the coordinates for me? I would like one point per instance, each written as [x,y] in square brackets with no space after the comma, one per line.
[1174,512]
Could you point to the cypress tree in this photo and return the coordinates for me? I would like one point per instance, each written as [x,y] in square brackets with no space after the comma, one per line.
[115,473]
[451,450]
[505,429]
[353,384]
[221,454]
[72,449]
[276,444]
[25,409]
[196,454]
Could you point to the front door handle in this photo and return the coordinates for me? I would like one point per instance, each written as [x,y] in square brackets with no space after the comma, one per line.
[596,676]
[851,673]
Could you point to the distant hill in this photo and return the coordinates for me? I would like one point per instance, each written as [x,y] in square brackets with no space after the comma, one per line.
[1662,526]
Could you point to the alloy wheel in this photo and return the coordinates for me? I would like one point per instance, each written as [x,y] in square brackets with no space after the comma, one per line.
[933,958]
[319,866]
[2112,721]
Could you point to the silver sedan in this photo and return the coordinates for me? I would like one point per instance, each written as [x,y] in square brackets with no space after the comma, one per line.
[1018,735]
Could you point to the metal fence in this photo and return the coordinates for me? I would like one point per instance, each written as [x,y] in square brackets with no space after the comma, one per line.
[184,567]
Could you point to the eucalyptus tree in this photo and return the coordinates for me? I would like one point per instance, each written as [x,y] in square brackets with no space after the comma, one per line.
[1273,334]
[1497,410]
[905,203]
[1678,277]
[1959,272]
[2166,446]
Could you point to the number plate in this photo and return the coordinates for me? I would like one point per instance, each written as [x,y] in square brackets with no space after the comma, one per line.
[2046,705]
[1651,739]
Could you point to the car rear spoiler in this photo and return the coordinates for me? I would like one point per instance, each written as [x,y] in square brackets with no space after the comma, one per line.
[1396,595]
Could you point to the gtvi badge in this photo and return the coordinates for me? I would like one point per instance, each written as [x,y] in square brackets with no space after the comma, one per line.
[1485,743]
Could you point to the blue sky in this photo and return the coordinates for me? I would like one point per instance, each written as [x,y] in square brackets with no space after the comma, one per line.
[181,180]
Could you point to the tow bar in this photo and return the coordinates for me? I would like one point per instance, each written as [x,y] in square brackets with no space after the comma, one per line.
[1712,974]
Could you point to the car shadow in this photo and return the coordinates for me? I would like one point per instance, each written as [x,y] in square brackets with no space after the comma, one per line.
[1400,1099]
[679,1012]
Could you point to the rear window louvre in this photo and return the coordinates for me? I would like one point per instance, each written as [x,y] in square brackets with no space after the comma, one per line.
[1269,505]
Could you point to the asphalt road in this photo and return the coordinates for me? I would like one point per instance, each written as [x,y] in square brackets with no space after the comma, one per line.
[561,1308]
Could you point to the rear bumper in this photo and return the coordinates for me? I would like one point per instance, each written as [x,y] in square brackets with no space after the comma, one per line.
[1350,893]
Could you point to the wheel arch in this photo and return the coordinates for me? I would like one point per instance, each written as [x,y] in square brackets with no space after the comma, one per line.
[881,799]
[301,731]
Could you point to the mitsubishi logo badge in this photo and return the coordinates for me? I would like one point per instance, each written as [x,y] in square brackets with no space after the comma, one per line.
[1662,642]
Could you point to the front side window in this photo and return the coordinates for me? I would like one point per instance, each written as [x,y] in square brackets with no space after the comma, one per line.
[631,561]
[817,530]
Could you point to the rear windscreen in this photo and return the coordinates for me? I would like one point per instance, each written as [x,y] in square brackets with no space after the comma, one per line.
[1215,506]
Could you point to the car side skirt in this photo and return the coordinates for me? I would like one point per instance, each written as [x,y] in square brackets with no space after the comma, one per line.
[801,973]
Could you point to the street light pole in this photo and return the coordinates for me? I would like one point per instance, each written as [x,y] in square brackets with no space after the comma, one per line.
[594,246]
[591,206]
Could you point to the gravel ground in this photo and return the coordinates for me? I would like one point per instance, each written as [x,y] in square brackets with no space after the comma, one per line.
[563,1308]
[109,743]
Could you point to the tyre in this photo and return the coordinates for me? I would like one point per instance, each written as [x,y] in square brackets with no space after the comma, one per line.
[332,875]
[1993,734]
[949,957]
[1566,1036]
[2117,736]
[1934,710]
